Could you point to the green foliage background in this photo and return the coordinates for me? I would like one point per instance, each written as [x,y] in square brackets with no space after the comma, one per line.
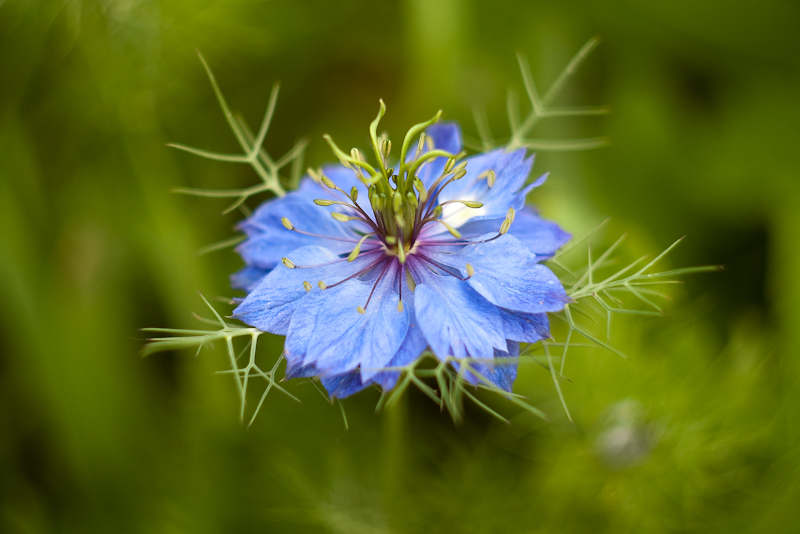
[698,433]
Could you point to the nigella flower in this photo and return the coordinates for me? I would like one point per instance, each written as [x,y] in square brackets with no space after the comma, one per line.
[363,268]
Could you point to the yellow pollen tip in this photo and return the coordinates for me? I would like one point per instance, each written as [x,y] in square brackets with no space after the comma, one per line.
[287,223]
[307,286]
[470,270]
[288,263]
[510,215]
[400,306]
[322,285]
[322,202]
[361,310]
[328,182]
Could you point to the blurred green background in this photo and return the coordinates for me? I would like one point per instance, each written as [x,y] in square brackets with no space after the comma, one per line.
[698,433]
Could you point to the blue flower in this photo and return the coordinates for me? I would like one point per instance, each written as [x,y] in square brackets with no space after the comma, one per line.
[364,268]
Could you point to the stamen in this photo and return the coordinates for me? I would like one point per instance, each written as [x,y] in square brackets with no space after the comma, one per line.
[503,230]
[346,160]
[354,193]
[357,249]
[359,273]
[386,149]
[341,217]
[509,219]
[340,260]
[467,203]
[377,281]
[315,174]
[446,268]
[460,167]
[322,285]
[401,252]
[412,285]
[455,233]
[423,194]
[306,286]
[291,227]
[288,263]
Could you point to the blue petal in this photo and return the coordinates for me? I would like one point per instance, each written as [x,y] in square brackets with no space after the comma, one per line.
[455,319]
[297,370]
[507,275]
[501,373]
[511,171]
[328,331]
[269,241]
[446,135]
[413,345]
[248,277]
[542,237]
[270,306]
[344,385]
[525,327]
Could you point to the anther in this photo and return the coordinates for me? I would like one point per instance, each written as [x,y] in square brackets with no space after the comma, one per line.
[356,154]
[314,175]
[341,217]
[412,285]
[449,165]
[470,270]
[322,285]
[460,174]
[490,179]
[288,263]
[386,148]
[307,286]
[460,167]
[467,203]
[400,305]
[421,143]
[357,249]
[510,214]
[398,202]
[391,240]
[455,233]
[361,310]
[328,182]
[323,202]
[287,223]
[423,194]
